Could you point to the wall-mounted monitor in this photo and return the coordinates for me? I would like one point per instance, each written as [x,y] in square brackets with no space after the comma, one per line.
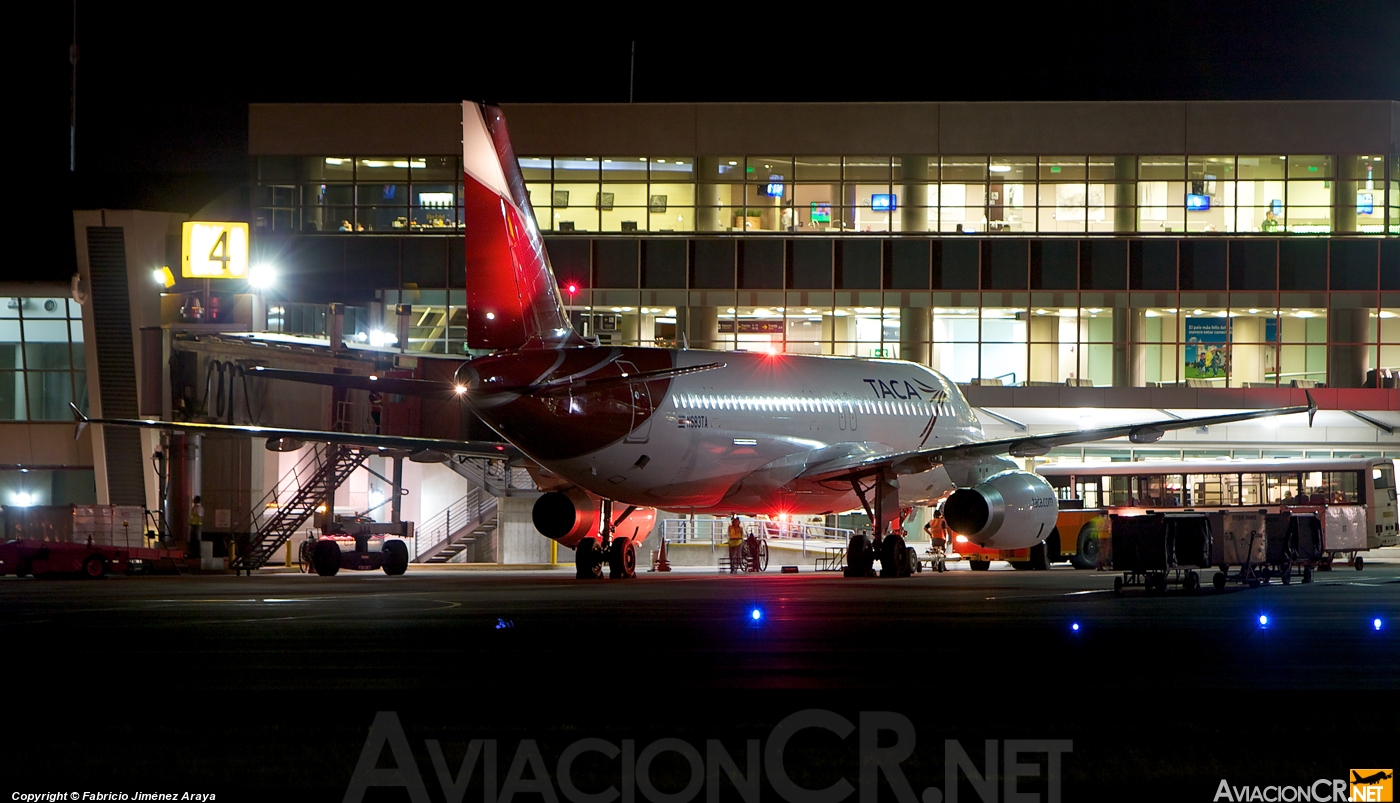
[821,213]
[773,190]
[603,201]
[884,202]
[656,204]
[1197,203]
[1365,203]
[561,199]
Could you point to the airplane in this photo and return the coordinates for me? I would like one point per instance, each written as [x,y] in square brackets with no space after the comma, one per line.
[706,431]
[1374,778]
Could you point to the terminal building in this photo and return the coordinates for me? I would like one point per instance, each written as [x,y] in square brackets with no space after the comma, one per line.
[1064,262]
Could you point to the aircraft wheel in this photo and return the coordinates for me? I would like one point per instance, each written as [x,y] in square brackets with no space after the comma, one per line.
[1307,574]
[979,565]
[914,562]
[894,561]
[588,559]
[395,558]
[1359,562]
[1086,554]
[1191,582]
[1118,586]
[1218,581]
[325,558]
[858,557]
[95,567]
[622,559]
[1022,565]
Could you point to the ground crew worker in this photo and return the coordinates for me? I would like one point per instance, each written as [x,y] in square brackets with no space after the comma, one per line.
[736,542]
[196,526]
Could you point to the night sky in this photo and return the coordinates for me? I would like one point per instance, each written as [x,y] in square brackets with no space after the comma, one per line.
[163,92]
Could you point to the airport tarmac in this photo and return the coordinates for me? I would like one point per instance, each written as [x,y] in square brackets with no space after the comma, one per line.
[271,682]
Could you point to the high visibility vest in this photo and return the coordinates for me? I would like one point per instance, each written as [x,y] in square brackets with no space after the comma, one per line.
[736,535]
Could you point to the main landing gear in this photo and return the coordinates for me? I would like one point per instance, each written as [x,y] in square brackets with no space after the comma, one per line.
[619,553]
[897,558]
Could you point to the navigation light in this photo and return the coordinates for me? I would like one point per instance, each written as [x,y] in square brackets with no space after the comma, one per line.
[756,614]
[1263,620]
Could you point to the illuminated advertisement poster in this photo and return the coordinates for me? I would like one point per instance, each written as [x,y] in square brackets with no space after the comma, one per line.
[1207,348]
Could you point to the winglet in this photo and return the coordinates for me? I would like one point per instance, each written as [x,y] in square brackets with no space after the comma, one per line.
[1312,407]
[80,421]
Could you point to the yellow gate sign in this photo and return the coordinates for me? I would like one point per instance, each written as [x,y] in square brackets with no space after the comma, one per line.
[214,250]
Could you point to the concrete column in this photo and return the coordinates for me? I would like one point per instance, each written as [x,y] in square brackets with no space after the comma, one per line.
[627,328]
[1045,348]
[913,195]
[1129,331]
[1348,358]
[1344,195]
[848,207]
[1125,177]
[1246,351]
[702,327]
[707,208]
[913,334]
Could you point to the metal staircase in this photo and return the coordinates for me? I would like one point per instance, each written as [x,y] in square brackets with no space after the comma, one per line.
[296,496]
[457,528]
[496,477]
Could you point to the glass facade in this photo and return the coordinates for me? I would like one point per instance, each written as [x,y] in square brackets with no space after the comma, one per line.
[41,359]
[1264,194]
[1213,312]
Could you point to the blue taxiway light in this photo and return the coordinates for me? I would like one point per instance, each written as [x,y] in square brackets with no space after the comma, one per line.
[756,614]
[1376,623]
[1263,620]
[1074,627]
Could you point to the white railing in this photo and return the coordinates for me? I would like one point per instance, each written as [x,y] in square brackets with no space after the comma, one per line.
[715,531]
[467,511]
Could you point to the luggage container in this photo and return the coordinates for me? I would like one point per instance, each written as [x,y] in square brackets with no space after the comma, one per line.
[1157,550]
[1293,545]
[1243,543]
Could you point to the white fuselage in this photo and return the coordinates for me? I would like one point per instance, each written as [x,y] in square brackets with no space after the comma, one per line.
[737,438]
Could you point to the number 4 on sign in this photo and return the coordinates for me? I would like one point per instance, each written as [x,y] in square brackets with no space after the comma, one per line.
[219,252]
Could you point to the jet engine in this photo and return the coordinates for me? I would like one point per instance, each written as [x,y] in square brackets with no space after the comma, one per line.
[1011,510]
[570,514]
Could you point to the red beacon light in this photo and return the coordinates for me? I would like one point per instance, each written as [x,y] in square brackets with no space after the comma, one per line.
[571,288]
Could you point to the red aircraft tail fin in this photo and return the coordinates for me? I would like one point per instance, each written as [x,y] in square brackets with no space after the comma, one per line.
[512,298]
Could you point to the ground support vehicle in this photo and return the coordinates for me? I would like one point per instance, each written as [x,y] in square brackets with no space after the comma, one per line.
[83,540]
[1156,550]
[360,546]
[1076,538]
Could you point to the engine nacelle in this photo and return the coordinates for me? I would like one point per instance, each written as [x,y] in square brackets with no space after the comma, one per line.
[1011,510]
[569,515]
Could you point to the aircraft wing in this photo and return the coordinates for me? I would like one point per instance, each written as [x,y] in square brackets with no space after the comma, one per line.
[411,445]
[920,460]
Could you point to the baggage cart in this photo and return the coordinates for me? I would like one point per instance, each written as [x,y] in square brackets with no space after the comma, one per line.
[1157,550]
